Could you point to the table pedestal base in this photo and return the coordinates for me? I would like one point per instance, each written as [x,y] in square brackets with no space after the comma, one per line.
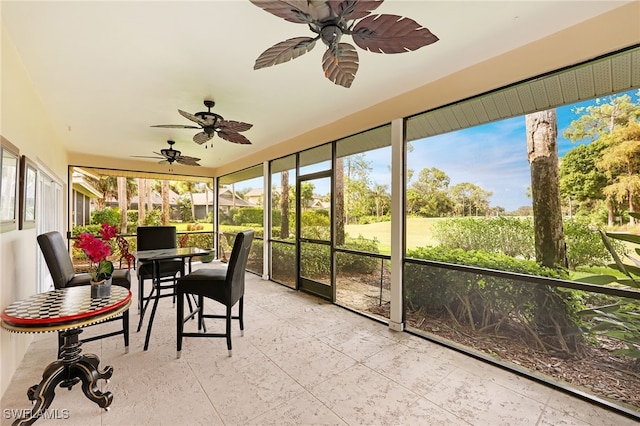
[67,372]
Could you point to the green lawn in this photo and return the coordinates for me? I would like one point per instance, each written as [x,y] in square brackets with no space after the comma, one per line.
[182,226]
[419,232]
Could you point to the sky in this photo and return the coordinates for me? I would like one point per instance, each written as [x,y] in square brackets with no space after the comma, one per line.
[492,156]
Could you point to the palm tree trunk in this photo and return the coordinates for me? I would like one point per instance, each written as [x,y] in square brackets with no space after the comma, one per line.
[122,203]
[166,207]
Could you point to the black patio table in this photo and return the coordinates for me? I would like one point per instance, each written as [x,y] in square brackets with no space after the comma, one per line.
[157,256]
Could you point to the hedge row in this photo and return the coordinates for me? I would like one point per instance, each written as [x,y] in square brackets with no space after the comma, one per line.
[545,316]
[515,237]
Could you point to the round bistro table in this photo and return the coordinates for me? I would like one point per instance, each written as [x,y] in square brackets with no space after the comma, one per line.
[66,310]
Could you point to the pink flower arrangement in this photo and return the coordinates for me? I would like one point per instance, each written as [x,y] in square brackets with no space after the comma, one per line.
[98,249]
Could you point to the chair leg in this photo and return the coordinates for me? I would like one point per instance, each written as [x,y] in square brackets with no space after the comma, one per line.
[240,316]
[229,329]
[179,323]
[175,283]
[201,313]
[140,294]
[125,328]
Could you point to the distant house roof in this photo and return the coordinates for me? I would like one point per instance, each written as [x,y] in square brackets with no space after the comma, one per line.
[156,198]
[202,199]
[226,199]
[80,184]
[253,193]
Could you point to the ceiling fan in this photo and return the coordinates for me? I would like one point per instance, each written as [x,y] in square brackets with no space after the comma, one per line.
[211,123]
[330,20]
[170,155]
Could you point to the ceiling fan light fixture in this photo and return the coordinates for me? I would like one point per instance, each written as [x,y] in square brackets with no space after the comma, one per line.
[170,153]
[209,123]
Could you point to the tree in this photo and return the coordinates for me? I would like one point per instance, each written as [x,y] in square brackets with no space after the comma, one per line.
[122,203]
[523,211]
[580,180]
[471,198]
[356,172]
[108,188]
[142,200]
[339,201]
[621,163]
[306,194]
[602,118]
[381,198]
[542,152]
[284,205]
[429,195]
[597,124]
[191,187]
[166,206]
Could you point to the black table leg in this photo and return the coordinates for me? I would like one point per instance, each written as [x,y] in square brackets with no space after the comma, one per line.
[156,268]
[66,372]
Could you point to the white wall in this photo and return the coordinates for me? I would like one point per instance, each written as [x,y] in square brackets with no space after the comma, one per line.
[25,123]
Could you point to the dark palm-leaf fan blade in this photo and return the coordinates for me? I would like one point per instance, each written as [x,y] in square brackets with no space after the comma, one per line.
[147,156]
[299,12]
[233,137]
[188,161]
[353,9]
[175,126]
[284,51]
[202,137]
[340,64]
[234,126]
[208,121]
[391,34]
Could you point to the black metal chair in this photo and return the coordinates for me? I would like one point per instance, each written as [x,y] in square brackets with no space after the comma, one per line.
[56,255]
[153,238]
[224,285]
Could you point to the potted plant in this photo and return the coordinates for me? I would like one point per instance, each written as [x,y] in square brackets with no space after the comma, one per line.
[97,250]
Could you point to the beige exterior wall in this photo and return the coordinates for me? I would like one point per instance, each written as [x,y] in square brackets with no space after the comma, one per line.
[24,122]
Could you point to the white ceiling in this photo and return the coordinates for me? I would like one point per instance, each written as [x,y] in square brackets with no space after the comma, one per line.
[108,70]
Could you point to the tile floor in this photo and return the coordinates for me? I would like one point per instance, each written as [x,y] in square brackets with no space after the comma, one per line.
[301,361]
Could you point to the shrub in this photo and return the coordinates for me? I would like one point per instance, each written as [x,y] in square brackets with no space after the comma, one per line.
[132,216]
[248,215]
[200,239]
[509,235]
[515,237]
[90,229]
[283,265]
[547,314]
[584,246]
[316,224]
[153,218]
[358,264]
[108,215]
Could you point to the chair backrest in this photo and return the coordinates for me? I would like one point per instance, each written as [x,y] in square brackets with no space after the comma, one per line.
[238,264]
[56,255]
[156,237]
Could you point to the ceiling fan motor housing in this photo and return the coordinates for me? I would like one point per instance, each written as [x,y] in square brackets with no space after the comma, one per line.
[170,153]
[331,34]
